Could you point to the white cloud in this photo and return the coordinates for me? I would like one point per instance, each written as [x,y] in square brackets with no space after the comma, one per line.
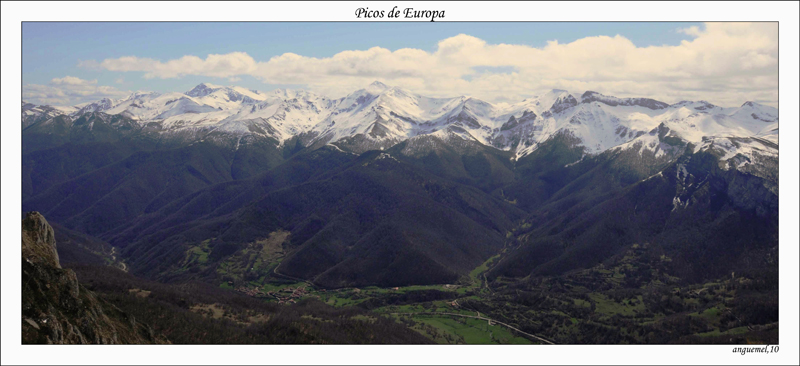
[71,80]
[724,63]
[68,90]
[228,65]
[692,31]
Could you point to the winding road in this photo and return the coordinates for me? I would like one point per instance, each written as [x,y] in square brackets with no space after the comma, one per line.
[120,264]
[275,271]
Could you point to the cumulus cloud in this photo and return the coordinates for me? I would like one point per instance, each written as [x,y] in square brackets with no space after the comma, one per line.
[724,63]
[225,66]
[69,90]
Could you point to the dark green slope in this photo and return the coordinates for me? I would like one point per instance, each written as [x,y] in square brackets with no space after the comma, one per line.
[459,160]
[45,168]
[97,184]
[62,148]
[87,128]
[103,199]
[46,133]
[78,248]
[218,201]
[731,216]
[384,222]
[375,220]
[542,173]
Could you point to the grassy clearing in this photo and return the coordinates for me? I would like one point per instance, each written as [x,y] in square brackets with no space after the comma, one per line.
[365,318]
[256,259]
[139,292]
[472,331]
[342,301]
[213,311]
[609,307]
[711,315]
[311,317]
[716,332]
[197,254]
[267,287]
[475,273]
[582,303]
[410,308]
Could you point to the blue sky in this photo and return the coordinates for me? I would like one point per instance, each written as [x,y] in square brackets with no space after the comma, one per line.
[53,50]
[725,63]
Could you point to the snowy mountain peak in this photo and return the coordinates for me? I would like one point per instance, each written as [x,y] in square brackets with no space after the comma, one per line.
[202,90]
[378,84]
[141,94]
[552,95]
[542,103]
[758,107]
[563,102]
[756,111]
[377,87]
[98,106]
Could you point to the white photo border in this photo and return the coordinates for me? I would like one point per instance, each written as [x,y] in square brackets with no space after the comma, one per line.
[13,13]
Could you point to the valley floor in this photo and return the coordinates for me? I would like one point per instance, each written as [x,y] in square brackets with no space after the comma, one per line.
[626,301]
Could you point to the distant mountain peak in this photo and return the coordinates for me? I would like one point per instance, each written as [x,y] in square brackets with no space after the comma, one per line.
[203,89]
[563,102]
[758,111]
[378,84]
[377,87]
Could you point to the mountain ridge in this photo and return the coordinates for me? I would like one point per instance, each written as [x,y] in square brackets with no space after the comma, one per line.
[379,116]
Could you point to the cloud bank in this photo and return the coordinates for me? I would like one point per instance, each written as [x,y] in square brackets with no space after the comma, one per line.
[69,90]
[724,63]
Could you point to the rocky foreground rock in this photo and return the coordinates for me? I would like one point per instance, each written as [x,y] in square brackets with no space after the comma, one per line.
[56,309]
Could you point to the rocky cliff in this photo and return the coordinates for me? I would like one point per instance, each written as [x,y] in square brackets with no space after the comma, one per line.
[56,309]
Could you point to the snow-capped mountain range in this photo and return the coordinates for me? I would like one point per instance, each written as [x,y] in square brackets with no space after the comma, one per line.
[381,116]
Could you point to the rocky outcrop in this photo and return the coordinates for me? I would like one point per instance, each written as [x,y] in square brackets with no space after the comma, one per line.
[56,309]
[39,241]
[513,122]
[591,96]
[563,103]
